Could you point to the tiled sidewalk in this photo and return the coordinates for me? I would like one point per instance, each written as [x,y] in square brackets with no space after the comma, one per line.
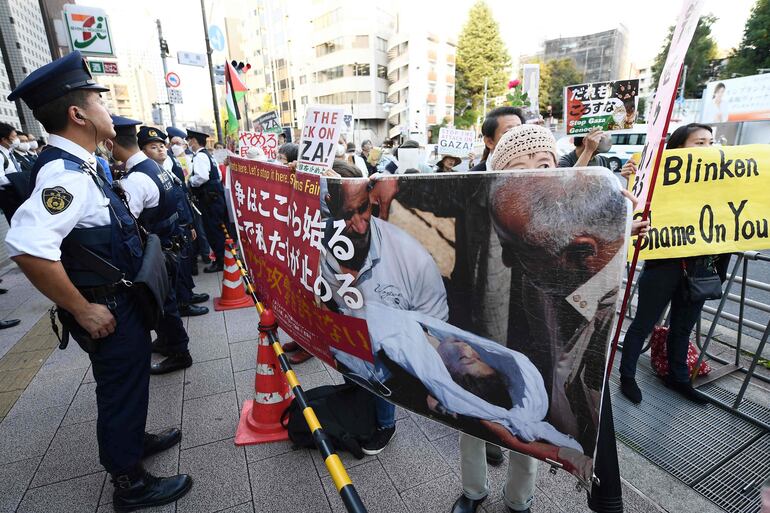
[49,458]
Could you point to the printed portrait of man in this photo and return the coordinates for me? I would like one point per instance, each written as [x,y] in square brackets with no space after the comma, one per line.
[565,237]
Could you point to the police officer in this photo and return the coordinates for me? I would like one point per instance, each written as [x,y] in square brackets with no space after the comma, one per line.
[207,186]
[178,149]
[73,211]
[152,143]
[153,199]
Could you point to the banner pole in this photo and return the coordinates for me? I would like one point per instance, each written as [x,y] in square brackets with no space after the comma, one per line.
[342,482]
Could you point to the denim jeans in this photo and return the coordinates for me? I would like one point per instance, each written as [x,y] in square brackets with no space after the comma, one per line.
[386,413]
[661,282]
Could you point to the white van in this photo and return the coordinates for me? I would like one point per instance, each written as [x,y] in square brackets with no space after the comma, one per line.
[624,144]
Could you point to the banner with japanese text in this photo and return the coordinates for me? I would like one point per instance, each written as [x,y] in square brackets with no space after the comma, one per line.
[709,201]
[602,105]
[266,142]
[431,289]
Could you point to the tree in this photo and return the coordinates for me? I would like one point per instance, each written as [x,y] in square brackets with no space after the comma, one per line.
[481,55]
[702,51]
[753,53]
[267,103]
[555,75]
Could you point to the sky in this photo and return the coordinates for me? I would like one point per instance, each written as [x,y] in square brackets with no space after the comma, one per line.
[524,25]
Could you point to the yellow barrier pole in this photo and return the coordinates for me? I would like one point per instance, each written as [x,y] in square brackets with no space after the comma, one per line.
[334,465]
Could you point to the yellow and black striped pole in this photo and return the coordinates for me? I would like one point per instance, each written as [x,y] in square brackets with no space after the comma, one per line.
[345,488]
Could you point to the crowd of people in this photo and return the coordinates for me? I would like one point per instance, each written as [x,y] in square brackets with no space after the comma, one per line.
[108,219]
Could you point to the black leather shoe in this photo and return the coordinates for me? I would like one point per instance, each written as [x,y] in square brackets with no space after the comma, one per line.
[522,511]
[153,444]
[198,298]
[192,310]
[9,323]
[146,491]
[494,454]
[215,267]
[466,505]
[3,291]
[630,389]
[194,271]
[173,363]
[686,390]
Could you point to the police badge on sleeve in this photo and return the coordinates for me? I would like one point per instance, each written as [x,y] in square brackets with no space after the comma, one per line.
[56,200]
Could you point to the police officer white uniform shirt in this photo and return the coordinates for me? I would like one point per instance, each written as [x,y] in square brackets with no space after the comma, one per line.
[7,165]
[201,165]
[61,201]
[141,191]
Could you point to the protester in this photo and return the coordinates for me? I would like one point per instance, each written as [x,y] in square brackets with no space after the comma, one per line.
[366,148]
[663,281]
[447,164]
[287,153]
[587,149]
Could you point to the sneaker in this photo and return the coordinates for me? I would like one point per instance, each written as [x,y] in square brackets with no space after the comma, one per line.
[630,389]
[379,441]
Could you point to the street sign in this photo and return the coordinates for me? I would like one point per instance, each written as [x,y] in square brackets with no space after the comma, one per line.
[216,38]
[173,80]
[174,95]
[103,68]
[157,115]
[219,79]
[191,59]
[87,30]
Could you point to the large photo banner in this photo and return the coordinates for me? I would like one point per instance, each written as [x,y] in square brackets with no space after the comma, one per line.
[709,201]
[484,301]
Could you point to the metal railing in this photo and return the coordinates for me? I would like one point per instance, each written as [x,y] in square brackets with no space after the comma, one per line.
[719,316]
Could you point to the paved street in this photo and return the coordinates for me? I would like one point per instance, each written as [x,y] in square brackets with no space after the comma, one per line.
[49,460]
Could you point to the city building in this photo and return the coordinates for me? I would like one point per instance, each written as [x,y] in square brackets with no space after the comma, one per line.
[24,48]
[421,73]
[600,57]
[8,112]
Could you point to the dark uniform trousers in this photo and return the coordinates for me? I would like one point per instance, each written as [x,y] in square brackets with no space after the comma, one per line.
[170,327]
[213,216]
[121,369]
[185,283]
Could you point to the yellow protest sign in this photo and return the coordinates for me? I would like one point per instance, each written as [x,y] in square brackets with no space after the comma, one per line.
[708,201]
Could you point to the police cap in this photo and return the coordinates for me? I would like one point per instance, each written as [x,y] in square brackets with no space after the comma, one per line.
[125,126]
[54,80]
[173,131]
[198,136]
[148,134]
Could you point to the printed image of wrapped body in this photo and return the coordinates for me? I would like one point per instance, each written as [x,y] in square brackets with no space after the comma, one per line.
[489,298]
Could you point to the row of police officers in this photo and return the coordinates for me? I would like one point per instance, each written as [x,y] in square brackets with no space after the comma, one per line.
[117,258]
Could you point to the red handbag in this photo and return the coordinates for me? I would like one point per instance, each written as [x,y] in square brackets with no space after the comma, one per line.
[659,354]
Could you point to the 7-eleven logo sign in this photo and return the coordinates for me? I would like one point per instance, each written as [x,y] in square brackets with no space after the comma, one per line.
[88,30]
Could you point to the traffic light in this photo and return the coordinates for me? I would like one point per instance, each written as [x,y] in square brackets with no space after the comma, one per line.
[164,48]
[241,67]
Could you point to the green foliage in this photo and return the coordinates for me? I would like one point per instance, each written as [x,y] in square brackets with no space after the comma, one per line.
[481,54]
[641,108]
[754,51]
[702,50]
[555,75]
[267,103]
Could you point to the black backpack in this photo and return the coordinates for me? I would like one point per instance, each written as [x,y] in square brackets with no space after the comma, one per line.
[346,413]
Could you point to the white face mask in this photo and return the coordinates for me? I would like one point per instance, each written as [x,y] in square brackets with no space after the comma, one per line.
[24,147]
[177,149]
[341,149]
[33,145]
[15,143]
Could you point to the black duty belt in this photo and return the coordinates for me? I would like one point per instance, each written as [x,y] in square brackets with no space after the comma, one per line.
[99,294]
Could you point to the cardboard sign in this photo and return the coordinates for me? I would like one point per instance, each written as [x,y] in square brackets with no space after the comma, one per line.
[410,158]
[603,105]
[663,101]
[265,141]
[456,143]
[709,201]
[320,135]
[269,122]
[417,326]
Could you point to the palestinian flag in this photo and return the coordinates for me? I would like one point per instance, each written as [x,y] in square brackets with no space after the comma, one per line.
[235,89]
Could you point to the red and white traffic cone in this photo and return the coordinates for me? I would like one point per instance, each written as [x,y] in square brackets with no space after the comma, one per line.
[261,417]
[233,294]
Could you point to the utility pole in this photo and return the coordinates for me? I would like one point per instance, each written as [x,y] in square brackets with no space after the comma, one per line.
[163,56]
[209,51]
